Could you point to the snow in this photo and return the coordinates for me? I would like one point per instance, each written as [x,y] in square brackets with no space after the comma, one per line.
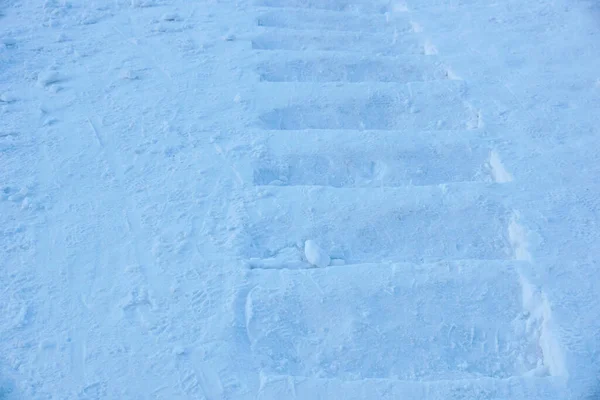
[128,74]
[299,199]
[9,41]
[500,174]
[315,254]
[8,97]
[49,77]
[171,17]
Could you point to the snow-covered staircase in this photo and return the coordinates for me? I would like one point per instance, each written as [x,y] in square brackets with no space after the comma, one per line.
[364,141]
[385,321]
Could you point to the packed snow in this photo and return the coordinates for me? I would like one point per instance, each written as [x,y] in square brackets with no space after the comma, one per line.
[299,199]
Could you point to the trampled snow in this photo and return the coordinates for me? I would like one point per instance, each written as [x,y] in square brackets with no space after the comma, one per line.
[299,199]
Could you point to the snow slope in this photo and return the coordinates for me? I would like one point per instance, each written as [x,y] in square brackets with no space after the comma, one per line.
[164,163]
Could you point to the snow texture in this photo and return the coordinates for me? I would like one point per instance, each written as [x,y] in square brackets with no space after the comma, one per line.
[299,199]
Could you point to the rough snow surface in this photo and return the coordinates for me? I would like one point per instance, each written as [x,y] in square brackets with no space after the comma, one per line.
[172,172]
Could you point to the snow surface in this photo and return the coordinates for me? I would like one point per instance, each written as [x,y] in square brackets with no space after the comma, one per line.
[163,164]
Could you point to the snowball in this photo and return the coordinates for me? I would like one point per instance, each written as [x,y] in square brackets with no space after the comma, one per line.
[315,254]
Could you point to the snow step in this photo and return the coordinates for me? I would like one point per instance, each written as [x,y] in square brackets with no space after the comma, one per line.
[421,223]
[447,321]
[456,5]
[282,66]
[439,105]
[372,7]
[290,39]
[303,19]
[289,54]
[371,159]
[300,388]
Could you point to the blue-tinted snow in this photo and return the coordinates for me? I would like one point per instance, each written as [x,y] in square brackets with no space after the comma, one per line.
[163,164]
